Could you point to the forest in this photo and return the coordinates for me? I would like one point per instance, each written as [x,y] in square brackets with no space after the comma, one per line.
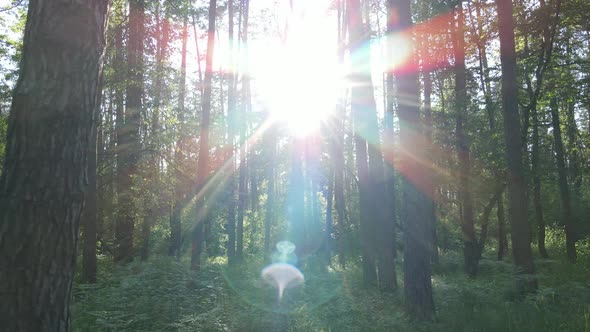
[294,165]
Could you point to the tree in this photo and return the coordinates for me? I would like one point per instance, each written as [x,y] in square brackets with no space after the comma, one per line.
[463,151]
[359,97]
[203,162]
[90,213]
[416,211]
[42,187]
[129,138]
[179,152]
[564,190]
[517,211]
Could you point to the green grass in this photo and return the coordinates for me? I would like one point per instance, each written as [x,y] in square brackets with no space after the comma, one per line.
[163,295]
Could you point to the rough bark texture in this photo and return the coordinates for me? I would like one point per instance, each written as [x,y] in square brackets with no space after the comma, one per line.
[89,216]
[517,212]
[44,179]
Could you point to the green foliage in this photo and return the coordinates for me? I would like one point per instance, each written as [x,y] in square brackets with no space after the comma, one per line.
[163,295]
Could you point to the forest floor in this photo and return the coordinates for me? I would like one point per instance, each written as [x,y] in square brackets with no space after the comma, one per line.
[164,295]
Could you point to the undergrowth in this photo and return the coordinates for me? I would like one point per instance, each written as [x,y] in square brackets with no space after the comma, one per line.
[164,295]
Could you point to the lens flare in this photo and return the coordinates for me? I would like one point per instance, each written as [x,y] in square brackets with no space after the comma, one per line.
[282,276]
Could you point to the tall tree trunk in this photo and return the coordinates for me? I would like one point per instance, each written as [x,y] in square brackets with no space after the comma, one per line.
[566,209]
[231,130]
[129,137]
[358,98]
[329,219]
[417,236]
[537,184]
[338,152]
[241,204]
[179,152]
[90,212]
[502,239]
[521,244]
[42,186]
[463,151]
[242,181]
[203,162]
[485,82]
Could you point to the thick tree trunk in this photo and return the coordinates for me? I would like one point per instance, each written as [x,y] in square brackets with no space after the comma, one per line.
[203,162]
[566,208]
[44,175]
[502,238]
[521,245]
[129,139]
[90,214]
[417,236]
[358,98]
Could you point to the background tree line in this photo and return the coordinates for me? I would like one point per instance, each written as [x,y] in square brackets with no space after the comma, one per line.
[475,141]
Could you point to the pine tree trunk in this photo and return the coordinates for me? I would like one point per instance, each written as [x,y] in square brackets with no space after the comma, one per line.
[90,214]
[502,238]
[129,139]
[463,152]
[521,246]
[358,97]
[566,209]
[203,162]
[43,182]
[537,184]
[416,208]
[231,130]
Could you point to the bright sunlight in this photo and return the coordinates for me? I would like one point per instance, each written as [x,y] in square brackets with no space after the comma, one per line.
[297,73]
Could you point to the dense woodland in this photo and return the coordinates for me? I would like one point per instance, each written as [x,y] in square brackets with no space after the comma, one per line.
[301,165]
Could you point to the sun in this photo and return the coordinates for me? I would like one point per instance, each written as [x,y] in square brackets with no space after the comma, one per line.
[299,78]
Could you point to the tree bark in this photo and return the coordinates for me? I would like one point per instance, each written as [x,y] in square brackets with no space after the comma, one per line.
[502,239]
[463,152]
[203,162]
[566,208]
[417,247]
[90,212]
[43,182]
[359,95]
[537,184]
[521,247]
[231,129]
[129,139]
